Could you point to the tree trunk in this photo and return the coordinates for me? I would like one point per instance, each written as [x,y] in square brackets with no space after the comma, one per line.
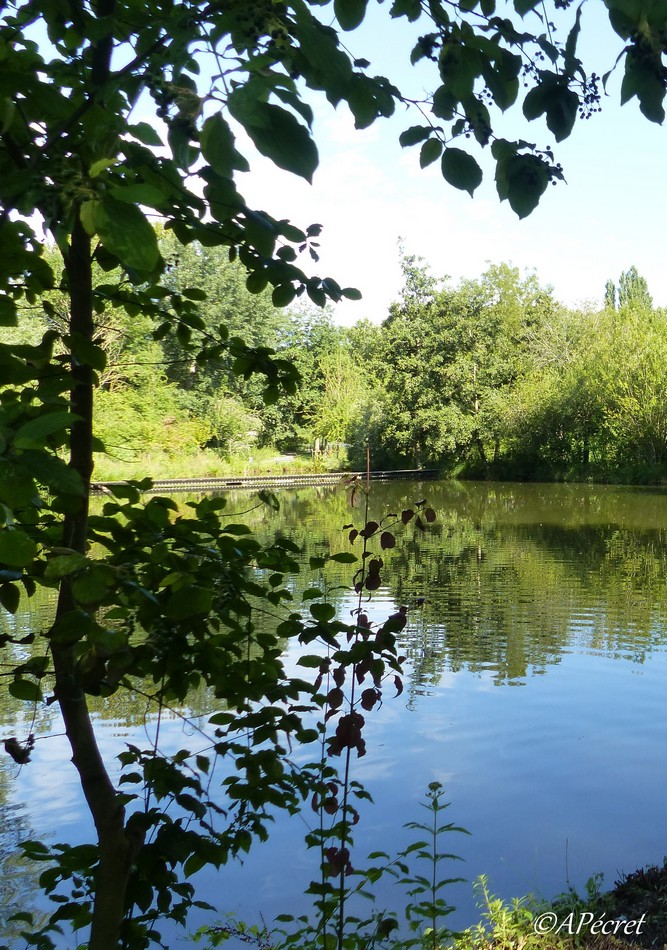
[115,849]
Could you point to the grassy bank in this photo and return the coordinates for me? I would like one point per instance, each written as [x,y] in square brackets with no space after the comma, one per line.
[209,463]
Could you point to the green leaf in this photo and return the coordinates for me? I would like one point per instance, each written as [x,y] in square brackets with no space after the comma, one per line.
[367,99]
[411,9]
[217,145]
[560,104]
[461,170]
[10,597]
[351,293]
[123,230]
[459,67]
[101,165]
[71,627]
[310,661]
[53,472]
[415,134]
[312,592]
[503,81]
[257,281]
[189,602]
[260,231]
[145,133]
[283,295]
[37,430]
[27,690]
[16,486]
[86,351]
[430,152]
[194,293]
[562,112]
[323,612]
[344,557]
[644,78]
[93,586]
[350,13]
[275,133]
[8,311]
[63,565]
[444,104]
[237,529]
[527,178]
[271,395]
[16,548]
[140,194]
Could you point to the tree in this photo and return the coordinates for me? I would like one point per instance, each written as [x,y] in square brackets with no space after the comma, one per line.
[449,359]
[632,291]
[111,108]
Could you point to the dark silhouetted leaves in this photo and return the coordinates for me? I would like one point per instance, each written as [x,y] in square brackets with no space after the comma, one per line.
[350,13]
[461,170]
[369,698]
[16,548]
[387,540]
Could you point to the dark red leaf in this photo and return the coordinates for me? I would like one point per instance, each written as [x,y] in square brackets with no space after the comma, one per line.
[419,524]
[398,683]
[335,698]
[353,534]
[369,697]
[407,515]
[429,514]
[363,666]
[369,529]
[373,582]
[387,540]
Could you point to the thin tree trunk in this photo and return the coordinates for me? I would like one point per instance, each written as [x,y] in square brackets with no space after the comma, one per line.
[116,850]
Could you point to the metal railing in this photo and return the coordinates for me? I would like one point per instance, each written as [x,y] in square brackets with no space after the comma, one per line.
[271,481]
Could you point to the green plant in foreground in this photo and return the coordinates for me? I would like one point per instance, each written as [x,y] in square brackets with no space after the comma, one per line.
[512,926]
[504,926]
[428,906]
[423,915]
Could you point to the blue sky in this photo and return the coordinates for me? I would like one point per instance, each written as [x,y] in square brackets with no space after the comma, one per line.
[368,191]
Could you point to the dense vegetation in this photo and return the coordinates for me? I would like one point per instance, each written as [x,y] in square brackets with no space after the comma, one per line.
[492,377]
[495,377]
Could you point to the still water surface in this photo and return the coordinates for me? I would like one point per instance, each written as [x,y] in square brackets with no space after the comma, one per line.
[534,691]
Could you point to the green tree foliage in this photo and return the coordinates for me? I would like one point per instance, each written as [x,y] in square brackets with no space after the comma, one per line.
[448,360]
[590,402]
[493,376]
[631,291]
[118,111]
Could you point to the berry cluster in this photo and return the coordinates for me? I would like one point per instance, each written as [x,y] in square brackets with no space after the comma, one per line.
[257,21]
[590,97]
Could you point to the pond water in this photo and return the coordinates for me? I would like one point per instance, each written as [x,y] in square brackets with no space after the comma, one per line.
[534,692]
